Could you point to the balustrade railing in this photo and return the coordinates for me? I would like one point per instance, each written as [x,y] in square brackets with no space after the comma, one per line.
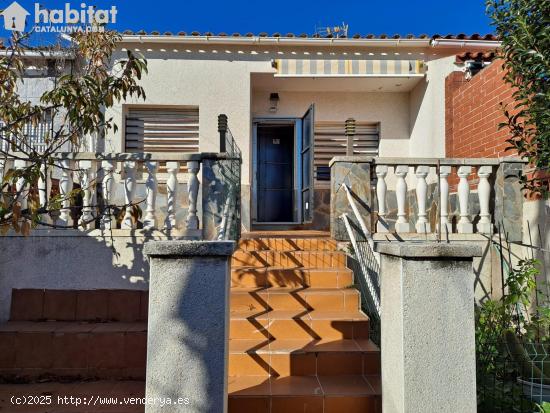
[86,183]
[435,173]
[426,195]
[128,191]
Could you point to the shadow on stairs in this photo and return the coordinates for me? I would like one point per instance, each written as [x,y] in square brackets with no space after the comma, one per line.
[298,339]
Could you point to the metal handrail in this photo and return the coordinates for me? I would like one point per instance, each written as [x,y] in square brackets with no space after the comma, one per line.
[366,265]
[372,290]
[358,216]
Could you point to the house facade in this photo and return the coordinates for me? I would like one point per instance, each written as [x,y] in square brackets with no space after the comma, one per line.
[378,140]
[287,99]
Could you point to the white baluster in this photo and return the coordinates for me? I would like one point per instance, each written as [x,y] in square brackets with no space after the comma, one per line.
[464,224]
[402,224]
[129,189]
[444,172]
[381,191]
[86,221]
[44,185]
[192,221]
[171,193]
[151,195]
[108,220]
[65,189]
[422,224]
[21,186]
[484,192]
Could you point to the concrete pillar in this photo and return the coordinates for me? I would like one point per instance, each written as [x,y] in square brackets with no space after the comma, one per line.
[188,325]
[508,215]
[428,343]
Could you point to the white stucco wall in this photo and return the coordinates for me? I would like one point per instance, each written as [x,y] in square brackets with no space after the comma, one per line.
[217,79]
[427,110]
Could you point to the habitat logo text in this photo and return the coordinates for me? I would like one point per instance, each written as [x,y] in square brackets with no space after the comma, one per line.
[68,19]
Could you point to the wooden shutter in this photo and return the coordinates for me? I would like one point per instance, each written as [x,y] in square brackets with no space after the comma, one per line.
[331,141]
[162,130]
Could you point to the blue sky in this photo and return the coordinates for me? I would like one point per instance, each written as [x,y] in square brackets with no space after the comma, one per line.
[366,16]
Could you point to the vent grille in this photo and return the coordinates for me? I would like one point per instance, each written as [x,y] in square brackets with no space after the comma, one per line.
[331,141]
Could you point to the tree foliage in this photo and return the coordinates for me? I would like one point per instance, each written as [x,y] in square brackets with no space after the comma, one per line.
[75,106]
[523,27]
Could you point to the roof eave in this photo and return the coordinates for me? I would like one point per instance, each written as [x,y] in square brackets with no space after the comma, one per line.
[261,40]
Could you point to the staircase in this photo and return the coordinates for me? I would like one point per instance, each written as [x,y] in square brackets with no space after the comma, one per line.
[298,339]
[76,335]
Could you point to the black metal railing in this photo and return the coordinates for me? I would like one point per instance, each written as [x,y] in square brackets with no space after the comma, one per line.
[230,169]
[513,376]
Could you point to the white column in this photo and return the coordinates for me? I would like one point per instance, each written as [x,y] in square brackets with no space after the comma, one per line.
[464,224]
[422,224]
[171,193]
[65,189]
[128,221]
[108,219]
[44,187]
[402,224]
[86,219]
[444,172]
[484,192]
[21,186]
[151,195]
[192,221]
[381,191]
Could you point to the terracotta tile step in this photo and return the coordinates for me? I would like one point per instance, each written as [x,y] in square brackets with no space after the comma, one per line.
[303,357]
[79,305]
[317,394]
[280,298]
[290,259]
[71,349]
[246,277]
[308,325]
[287,244]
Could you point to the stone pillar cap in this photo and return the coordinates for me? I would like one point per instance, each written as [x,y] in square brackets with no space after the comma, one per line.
[189,248]
[428,249]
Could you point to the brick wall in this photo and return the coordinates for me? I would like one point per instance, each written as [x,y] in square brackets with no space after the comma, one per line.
[473,112]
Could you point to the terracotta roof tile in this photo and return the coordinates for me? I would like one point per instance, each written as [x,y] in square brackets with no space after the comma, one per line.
[479,56]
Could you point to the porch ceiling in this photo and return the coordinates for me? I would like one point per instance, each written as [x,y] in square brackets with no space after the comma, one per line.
[268,83]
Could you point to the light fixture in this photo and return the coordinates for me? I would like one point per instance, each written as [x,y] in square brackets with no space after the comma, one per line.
[273,102]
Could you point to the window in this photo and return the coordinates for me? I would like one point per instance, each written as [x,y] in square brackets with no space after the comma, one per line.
[331,141]
[33,135]
[162,130]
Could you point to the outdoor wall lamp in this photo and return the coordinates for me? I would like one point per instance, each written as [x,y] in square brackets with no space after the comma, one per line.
[273,102]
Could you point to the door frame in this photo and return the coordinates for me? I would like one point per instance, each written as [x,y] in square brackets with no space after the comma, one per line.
[297,124]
